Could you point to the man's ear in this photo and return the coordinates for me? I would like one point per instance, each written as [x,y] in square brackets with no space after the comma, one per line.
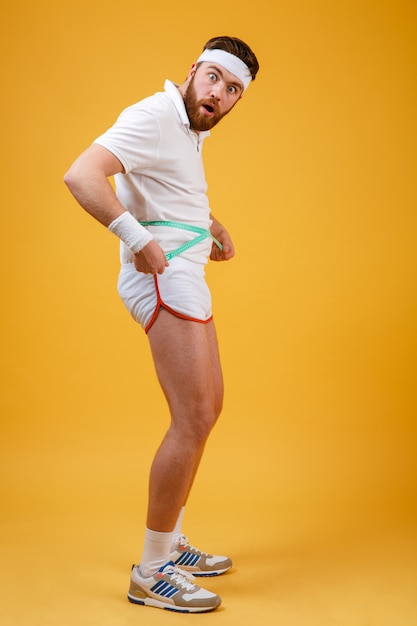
[192,71]
[190,74]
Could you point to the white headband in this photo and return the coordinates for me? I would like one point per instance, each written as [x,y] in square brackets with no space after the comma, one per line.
[230,62]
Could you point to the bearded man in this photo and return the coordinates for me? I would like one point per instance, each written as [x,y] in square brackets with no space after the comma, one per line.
[161,214]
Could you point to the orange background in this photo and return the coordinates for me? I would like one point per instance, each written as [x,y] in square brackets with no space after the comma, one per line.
[309,480]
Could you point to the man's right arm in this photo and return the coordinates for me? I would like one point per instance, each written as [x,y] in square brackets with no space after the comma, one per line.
[87,179]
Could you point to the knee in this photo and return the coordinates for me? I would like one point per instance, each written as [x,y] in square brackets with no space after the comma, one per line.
[200,421]
[193,417]
[211,411]
[201,425]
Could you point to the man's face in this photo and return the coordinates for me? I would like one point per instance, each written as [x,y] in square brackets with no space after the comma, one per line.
[211,93]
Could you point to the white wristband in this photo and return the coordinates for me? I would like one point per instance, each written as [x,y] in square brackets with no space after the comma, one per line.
[128,229]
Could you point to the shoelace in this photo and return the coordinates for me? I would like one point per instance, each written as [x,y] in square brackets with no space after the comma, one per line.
[183,579]
[183,541]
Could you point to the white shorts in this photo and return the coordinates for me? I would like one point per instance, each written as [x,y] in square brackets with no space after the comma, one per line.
[181,289]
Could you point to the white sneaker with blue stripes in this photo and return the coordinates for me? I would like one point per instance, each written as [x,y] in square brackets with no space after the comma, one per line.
[171,589]
[190,559]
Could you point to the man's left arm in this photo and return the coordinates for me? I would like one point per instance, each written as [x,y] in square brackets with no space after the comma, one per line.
[220,233]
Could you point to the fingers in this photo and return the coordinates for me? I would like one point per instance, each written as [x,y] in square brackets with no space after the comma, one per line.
[146,268]
[221,255]
[162,269]
[151,259]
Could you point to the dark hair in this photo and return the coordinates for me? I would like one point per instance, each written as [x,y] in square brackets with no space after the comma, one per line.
[239,48]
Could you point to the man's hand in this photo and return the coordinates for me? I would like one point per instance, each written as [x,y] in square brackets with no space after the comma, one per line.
[223,236]
[151,259]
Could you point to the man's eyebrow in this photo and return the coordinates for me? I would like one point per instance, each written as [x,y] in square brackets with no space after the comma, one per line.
[219,71]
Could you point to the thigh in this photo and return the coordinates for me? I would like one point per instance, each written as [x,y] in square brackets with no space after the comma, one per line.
[187,363]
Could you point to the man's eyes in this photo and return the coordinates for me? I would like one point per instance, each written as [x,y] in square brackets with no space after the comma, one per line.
[231,88]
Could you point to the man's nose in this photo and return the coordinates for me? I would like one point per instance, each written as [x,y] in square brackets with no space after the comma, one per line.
[216,90]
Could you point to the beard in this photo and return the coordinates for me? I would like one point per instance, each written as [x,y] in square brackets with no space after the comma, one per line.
[199,121]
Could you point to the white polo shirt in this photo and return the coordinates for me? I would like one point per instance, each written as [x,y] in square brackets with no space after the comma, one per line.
[164,175]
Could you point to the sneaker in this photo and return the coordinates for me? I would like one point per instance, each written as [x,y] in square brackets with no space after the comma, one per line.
[171,589]
[191,559]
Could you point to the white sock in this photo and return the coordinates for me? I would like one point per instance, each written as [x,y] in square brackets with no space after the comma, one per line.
[156,551]
[177,530]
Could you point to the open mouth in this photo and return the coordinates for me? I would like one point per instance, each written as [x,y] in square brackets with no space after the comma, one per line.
[208,108]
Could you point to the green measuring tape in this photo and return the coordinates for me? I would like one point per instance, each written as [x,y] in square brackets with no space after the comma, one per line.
[203,233]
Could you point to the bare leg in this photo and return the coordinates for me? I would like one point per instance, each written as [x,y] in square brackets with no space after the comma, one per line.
[188,367]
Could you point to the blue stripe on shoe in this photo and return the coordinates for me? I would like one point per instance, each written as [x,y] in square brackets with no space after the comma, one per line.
[181,558]
[188,559]
[171,593]
[163,588]
[159,586]
[194,560]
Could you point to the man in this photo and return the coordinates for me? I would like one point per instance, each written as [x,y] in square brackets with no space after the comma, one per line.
[161,214]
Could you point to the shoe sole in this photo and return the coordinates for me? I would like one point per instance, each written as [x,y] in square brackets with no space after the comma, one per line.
[170,607]
[203,574]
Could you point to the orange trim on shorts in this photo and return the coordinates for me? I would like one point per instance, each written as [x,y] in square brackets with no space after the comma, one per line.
[160,304]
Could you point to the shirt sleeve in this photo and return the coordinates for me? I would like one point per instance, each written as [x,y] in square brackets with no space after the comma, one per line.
[133,139]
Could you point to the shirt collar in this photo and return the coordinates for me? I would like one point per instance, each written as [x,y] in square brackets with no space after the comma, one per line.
[173,93]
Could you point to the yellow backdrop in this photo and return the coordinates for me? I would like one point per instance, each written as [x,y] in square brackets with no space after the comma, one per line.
[309,480]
